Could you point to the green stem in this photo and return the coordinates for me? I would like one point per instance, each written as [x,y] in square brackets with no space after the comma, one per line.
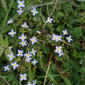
[7,13]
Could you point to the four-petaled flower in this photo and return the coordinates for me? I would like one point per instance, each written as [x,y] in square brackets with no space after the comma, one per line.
[65,32]
[12,33]
[23,77]
[33,40]
[15,65]
[22,37]
[20,53]
[49,20]
[61,53]
[10,21]
[28,59]
[23,43]
[24,25]
[20,11]
[34,11]
[34,62]
[58,49]
[33,52]
[69,38]
[27,55]
[20,4]
[6,68]
[11,56]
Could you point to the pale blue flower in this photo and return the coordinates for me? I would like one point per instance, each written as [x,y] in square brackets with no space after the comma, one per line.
[6,68]
[11,56]
[34,62]
[49,20]
[20,4]
[12,33]
[23,77]
[33,40]
[69,39]
[15,65]
[20,53]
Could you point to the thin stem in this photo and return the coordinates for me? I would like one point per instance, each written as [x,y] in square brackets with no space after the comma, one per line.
[47,73]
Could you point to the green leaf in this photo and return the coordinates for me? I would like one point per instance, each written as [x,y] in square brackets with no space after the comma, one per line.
[67,81]
[1,50]
[1,40]
[7,51]
[4,3]
[76,32]
[6,43]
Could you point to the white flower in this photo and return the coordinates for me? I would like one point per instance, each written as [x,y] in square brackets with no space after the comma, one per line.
[49,20]
[33,40]
[23,43]
[28,59]
[20,4]
[65,32]
[34,62]
[34,11]
[6,68]
[22,37]
[69,39]
[12,33]
[58,49]
[27,55]
[15,65]
[20,11]
[33,52]
[23,77]
[10,21]
[11,56]
[24,25]
[20,53]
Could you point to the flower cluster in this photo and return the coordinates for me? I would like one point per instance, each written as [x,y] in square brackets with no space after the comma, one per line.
[59,51]
[59,38]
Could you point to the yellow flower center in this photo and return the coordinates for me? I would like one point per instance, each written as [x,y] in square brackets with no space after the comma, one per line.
[14,65]
[22,37]
[55,38]
[23,77]
[6,68]
[33,40]
[11,21]
[58,49]
[58,37]
[12,33]
[28,54]
[19,10]
[34,11]
[11,56]
[49,20]
[69,38]
[23,43]
[21,4]
[20,53]
[25,25]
